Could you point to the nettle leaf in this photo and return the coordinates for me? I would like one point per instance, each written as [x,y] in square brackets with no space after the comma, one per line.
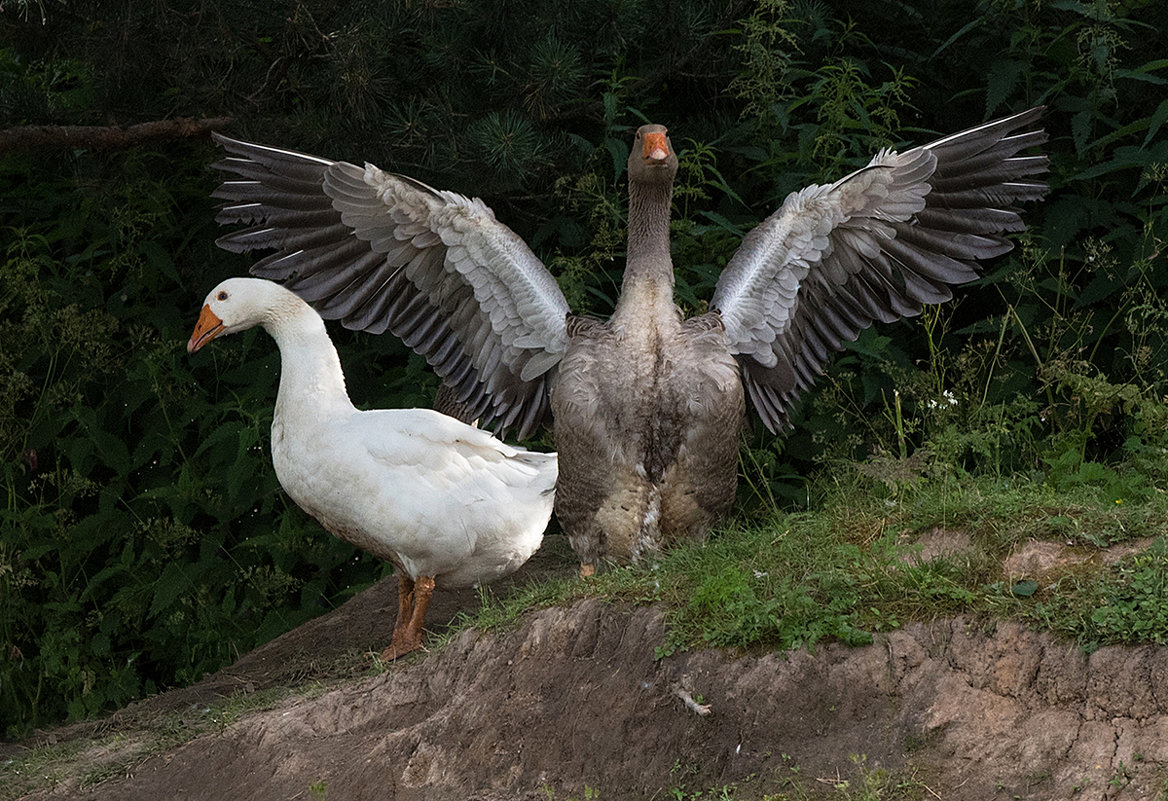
[1101,287]
[1158,118]
[113,450]
[1000,82]
[110,447]
[173,582]
[619,150]
[159,259]
[112,571]
[222,444]
[869,343]
[1024,588]
[78,452]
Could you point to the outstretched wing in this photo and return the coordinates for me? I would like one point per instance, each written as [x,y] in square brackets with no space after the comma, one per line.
[876,245]
[380,251]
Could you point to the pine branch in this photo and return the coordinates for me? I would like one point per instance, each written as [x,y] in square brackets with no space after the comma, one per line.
[103,137]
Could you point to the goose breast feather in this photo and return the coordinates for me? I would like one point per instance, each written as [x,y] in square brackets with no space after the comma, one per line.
[647,438]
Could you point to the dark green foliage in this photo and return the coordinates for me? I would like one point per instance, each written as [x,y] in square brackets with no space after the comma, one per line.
[145,540]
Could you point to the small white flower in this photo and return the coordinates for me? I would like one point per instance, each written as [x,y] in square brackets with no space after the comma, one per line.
[947,397]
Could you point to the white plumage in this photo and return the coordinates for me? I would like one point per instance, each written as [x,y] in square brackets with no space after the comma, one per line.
[443,501]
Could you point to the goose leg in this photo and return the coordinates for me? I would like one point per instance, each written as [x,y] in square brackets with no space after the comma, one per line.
[422,592]
[413,601]
[405,611]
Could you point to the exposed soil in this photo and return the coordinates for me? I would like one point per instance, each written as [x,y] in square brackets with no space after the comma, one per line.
[574,697]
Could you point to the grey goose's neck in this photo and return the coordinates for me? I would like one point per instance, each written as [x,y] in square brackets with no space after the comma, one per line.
[648,277]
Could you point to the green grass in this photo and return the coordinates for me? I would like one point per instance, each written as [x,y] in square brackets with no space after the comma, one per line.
[846,570]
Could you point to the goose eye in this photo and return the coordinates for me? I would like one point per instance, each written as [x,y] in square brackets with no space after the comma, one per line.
[221,296]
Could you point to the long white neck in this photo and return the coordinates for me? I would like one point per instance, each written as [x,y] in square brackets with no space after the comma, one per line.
[311,381]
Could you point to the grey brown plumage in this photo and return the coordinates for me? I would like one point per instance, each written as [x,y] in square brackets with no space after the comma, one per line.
[646,406]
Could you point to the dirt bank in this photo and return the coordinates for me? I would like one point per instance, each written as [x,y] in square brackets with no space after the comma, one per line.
[575,698]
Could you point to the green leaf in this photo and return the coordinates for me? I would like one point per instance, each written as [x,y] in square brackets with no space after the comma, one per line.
[1156,120]
[966,28]
[1024,588]
[113,450]
[1000,82]
[619,150]
[1081,130]
[168,587]
[722,222]
[1100,288]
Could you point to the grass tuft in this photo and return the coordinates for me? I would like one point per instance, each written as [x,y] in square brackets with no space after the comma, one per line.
[856,564]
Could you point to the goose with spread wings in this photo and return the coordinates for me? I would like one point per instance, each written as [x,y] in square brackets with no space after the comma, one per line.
[646,405]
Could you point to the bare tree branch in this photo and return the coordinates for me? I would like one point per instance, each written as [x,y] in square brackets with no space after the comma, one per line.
[101,137]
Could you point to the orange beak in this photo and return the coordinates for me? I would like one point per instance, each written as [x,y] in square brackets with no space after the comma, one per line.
[207,328]
[655,147]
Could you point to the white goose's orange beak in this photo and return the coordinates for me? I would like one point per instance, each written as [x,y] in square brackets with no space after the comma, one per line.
[207,328]
[655,147]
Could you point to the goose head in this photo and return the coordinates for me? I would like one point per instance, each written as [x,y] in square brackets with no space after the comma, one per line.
[653,159]
[238,304]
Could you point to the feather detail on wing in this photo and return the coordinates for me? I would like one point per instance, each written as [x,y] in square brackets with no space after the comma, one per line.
[427,442]
[876,245]
[380,251]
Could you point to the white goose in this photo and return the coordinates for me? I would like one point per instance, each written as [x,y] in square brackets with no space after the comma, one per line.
[445,502]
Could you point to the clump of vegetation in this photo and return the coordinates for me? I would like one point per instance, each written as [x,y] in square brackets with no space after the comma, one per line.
[1123,604]
[856,782]
[852,568]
